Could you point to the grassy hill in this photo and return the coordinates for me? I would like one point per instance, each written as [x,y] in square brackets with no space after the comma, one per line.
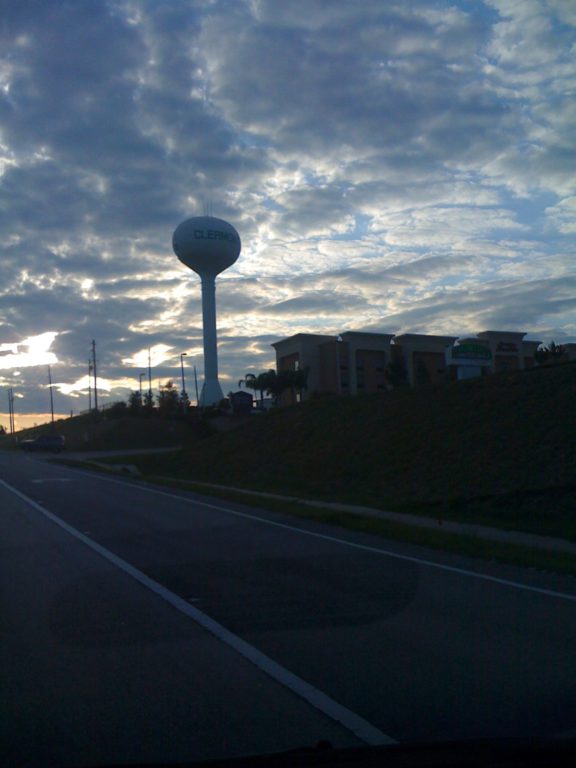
[509,434]
[102,432]
[509,437]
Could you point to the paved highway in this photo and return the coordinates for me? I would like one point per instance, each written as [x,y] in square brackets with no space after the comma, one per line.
[143,624]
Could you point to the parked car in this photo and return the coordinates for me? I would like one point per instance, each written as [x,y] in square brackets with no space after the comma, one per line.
[54,443]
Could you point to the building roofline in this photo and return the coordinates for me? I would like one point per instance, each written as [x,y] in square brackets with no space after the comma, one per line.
[420,336]
[294,337]
[372,334]
[487,334]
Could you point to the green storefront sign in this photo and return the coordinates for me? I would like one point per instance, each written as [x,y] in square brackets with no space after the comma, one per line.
[471,352]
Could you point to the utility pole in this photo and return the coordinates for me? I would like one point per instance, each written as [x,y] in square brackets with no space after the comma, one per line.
[95,375]
[51,395]
[149,378]
[89,385]
[11,409]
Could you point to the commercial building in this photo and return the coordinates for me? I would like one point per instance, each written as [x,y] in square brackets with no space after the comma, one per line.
[424,356]
[491,352]
[350,363]
[355,362]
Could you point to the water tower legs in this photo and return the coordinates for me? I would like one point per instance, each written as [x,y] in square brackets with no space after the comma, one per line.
[211,390]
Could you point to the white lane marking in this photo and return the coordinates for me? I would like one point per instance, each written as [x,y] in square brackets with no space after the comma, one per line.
[344,542]
[364,730]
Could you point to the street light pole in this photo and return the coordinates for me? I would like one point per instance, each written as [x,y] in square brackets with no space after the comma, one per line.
[149,377]
[196,387]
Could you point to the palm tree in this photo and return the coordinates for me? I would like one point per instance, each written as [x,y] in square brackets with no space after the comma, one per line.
[294,379]
[269,382]
[251,381]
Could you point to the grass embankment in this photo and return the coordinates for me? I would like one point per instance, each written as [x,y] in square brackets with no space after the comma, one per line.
[498,451]
[99,432]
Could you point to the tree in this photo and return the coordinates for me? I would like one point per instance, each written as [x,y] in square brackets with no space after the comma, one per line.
[148,404]
[259,383]
[116,410]
[300,380]
[168,400]
[134,402]
[294,379]
[548,354]
[250,382]
[272,383]
[395,373]
[184,402]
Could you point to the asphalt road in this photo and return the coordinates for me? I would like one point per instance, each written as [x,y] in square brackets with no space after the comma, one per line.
[147,624]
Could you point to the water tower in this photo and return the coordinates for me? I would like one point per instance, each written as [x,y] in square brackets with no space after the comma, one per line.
[208,246]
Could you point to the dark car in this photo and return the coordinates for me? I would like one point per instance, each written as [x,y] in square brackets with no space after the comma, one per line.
[54,443]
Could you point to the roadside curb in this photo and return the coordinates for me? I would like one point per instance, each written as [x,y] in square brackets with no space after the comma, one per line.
[448,526]
[473,530]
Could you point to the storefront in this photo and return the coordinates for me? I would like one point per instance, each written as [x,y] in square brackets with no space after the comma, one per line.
[469,359]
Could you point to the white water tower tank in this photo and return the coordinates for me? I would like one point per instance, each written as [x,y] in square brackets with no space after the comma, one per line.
[208,246]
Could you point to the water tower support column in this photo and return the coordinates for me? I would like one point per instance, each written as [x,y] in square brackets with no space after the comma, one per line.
[208,246]
[211,391]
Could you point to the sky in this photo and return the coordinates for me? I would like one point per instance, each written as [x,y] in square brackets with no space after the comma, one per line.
[395,167]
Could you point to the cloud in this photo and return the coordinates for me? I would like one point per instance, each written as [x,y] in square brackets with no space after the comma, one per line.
[154,356]
[393,166]
[37,352]
[562,216]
